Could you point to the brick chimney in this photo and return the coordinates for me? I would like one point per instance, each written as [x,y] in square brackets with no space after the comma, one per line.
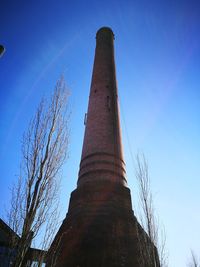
[100,229]
[102,156]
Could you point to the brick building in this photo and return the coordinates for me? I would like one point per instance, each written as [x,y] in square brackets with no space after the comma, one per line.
[8,252]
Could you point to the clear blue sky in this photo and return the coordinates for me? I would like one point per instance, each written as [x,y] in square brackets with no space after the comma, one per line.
[157,48]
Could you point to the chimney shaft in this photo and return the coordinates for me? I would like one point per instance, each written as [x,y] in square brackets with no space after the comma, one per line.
[102,146]
[100,228]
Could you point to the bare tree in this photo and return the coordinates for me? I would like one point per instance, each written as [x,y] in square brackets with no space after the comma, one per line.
[194,260]
[44,149]
[152,246]
[49,231]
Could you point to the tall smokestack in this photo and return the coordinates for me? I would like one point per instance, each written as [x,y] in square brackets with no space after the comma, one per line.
[100,229]
[102,147]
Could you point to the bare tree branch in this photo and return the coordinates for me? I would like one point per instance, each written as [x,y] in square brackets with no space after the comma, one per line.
[148,219]
[44,149]
[193,260]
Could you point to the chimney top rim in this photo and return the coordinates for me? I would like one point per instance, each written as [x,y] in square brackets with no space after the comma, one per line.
[105,30]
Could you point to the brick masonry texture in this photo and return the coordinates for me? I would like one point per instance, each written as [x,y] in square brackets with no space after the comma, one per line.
[103,132]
